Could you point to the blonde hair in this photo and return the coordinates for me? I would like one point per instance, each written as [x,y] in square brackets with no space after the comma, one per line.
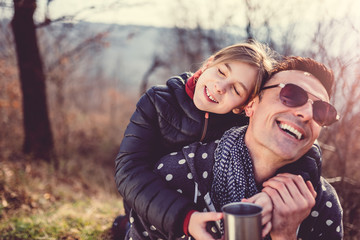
[253,53]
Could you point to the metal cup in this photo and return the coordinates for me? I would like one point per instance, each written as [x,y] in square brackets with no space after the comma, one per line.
[242,221]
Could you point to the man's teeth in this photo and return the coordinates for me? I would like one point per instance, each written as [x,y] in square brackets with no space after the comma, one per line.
[291,130]
[209,96]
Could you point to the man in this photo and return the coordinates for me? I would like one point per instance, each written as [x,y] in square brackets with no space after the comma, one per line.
[285,120]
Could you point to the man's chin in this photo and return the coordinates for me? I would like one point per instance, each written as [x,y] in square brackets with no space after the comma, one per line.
[290,155]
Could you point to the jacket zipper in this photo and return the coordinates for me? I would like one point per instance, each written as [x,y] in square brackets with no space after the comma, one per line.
[205,126]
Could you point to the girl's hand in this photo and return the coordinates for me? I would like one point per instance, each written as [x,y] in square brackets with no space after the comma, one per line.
[197,224]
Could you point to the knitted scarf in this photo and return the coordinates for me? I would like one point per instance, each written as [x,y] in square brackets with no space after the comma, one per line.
[233,169]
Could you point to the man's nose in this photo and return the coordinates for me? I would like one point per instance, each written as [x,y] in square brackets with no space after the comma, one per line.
[305,112]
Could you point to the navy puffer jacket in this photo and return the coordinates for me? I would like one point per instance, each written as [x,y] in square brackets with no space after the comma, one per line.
[165,120]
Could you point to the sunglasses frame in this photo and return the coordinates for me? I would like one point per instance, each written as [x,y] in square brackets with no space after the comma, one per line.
[283,85]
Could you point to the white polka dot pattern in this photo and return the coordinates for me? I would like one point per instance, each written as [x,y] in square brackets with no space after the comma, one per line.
[182,161]
[329,222]
[314,213]
[169,177]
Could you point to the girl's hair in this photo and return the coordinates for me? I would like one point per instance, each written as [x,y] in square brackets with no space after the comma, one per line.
[253,53]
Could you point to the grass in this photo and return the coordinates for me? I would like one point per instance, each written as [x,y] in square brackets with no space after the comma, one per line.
[82,219]
[37,202]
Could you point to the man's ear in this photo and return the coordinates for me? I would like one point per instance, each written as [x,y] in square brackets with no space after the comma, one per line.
[249,108]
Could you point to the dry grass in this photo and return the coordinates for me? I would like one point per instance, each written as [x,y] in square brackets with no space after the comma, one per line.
[40,203]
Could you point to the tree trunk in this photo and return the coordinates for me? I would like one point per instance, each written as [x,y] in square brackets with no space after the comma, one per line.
[38,140]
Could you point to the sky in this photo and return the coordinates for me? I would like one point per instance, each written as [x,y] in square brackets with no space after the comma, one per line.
[164,13]
[111,11]
[161,12]
[211,13]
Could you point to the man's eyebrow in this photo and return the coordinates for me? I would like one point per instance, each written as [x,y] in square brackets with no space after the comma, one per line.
[242,84]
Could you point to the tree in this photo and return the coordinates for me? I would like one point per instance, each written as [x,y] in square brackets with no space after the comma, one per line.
[38,140]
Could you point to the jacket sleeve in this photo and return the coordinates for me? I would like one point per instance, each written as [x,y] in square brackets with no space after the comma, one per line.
[326,218]
[141,188]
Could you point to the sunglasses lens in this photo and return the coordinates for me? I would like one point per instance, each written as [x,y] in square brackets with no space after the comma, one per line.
[293,96]
[323,113]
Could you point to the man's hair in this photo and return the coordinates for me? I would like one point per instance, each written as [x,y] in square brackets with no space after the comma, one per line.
[318,70]
[253,53]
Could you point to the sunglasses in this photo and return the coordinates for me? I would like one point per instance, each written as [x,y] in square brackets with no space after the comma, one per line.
[292,95]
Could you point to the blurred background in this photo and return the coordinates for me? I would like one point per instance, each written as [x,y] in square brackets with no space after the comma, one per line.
[71,73]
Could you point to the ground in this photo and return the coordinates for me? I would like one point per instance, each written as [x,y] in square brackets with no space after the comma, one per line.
[77,201]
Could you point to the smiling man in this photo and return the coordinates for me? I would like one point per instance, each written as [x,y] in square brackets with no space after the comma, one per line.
[285,120]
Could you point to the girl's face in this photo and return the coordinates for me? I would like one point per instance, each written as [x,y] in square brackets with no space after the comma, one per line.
[224,87]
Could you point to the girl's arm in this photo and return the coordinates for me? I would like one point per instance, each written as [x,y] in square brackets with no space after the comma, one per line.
[141,188]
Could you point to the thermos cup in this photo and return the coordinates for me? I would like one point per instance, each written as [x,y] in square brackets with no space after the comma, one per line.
[242,221]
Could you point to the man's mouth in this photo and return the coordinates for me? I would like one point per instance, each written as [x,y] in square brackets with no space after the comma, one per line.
[291,131]
[209,96]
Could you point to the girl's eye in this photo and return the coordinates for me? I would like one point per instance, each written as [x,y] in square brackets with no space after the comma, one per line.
[236,91]
[219,70]
[239,90]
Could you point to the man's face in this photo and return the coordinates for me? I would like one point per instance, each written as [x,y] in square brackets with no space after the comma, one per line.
[286,132]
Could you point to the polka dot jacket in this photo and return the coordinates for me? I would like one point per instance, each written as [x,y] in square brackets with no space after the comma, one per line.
[185,174]
[190,172]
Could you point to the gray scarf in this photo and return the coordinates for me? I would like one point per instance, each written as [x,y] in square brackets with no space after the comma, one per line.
[233,169]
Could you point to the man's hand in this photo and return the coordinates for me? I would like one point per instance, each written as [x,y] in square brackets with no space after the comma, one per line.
[197,224]
[292,200]
[265,202]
